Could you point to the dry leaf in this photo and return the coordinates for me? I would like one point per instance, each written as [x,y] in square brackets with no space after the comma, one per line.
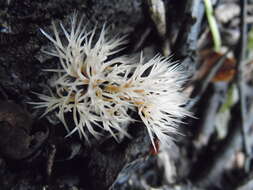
[226,72]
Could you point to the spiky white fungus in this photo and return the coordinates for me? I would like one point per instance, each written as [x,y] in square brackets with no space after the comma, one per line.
[100,91]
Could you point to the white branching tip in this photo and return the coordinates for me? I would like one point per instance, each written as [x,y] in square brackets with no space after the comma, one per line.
[99,92]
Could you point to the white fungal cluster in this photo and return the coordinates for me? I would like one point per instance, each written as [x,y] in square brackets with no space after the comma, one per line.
[101,91]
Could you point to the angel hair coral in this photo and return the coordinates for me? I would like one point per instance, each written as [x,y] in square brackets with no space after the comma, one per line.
[99,91]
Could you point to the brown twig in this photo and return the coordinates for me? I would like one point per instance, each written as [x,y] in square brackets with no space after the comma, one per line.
[50,160]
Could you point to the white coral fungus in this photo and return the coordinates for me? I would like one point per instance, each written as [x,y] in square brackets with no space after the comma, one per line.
[101,91]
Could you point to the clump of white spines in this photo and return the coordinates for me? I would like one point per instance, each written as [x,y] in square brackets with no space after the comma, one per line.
[100,91]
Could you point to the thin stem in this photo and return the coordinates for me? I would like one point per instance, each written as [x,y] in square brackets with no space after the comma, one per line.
[240,81]
[213,25]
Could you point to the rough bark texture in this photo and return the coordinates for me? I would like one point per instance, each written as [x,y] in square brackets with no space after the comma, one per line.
[34,153]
